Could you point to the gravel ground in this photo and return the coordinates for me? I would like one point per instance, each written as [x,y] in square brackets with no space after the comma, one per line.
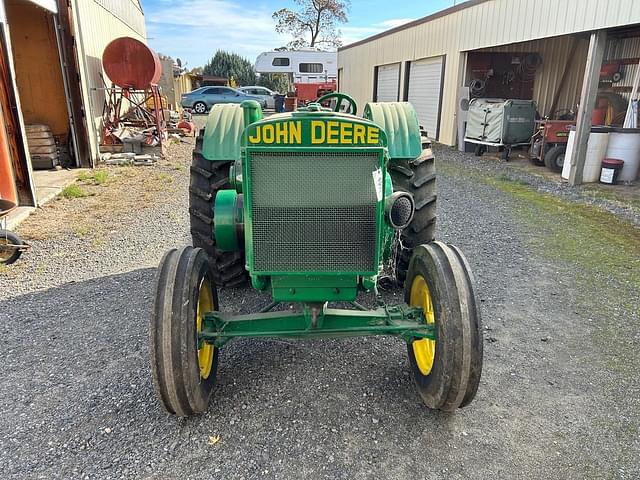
[77,398]
[521,170]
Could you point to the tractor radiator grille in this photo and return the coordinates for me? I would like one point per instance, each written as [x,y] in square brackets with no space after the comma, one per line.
[313,211]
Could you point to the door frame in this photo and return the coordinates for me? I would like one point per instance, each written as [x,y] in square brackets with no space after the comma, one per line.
[72,78]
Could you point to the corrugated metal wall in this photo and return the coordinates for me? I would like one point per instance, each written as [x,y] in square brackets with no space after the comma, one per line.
[623,48]
[555,53]
[482,25]
[98,22]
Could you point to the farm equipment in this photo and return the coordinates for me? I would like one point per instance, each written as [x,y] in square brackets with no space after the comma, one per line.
[11,245]
[311,206]
[549,143]
[308,92]
[499,123]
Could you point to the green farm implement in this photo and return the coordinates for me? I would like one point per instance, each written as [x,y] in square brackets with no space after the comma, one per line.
[315,207]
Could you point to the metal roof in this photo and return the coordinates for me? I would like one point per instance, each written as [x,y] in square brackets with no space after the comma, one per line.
[419,21]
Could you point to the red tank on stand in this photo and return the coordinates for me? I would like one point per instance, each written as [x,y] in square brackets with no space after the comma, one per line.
[133,100]
[129,63]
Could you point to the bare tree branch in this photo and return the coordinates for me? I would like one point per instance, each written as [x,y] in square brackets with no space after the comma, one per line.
[314,23]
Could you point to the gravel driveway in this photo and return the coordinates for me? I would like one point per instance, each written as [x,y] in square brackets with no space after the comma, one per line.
[559,397]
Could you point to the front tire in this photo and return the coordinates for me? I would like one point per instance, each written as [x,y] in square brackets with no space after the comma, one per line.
[183,375]
[554,158]
[446,371]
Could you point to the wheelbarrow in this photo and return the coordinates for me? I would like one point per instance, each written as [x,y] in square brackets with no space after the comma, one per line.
[11,245]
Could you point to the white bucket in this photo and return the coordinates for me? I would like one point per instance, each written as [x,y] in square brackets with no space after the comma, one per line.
[625,145]
[596,149]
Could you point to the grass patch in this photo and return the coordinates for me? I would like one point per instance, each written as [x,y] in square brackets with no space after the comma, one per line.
[97,242]
[73,191]
[4,269]
[165,178]
[503,177]
[580,234]
[96,177]
[80,230]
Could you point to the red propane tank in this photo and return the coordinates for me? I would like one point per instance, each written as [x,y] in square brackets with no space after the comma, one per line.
[129,63]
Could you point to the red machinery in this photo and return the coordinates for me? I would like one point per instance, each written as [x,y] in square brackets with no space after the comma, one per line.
[308,92]
[549,143]
[611,72]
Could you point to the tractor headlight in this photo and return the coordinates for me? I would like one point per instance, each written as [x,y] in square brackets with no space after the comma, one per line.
[399,208]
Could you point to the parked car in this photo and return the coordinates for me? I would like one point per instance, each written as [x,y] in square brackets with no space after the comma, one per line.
[203,98]
[262,92]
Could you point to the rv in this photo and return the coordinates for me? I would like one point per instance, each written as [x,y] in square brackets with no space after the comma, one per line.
[302,66]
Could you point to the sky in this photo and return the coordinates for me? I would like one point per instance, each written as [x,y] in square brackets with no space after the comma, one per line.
[193,30]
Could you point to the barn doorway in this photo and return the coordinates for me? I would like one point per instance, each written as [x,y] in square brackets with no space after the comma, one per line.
[44,87]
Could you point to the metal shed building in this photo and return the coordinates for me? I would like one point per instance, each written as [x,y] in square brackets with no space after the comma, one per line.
[51,74]
[427,61]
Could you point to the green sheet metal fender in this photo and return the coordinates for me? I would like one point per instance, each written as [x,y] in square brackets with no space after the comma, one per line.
[223,132]
[400,122]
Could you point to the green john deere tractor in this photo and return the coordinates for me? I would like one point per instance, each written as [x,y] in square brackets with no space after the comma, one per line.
[314,206]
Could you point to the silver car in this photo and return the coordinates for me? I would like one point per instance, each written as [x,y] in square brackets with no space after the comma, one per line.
[262,92]
[202,99]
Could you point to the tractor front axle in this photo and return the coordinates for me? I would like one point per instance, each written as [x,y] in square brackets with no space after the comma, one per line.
[399,320]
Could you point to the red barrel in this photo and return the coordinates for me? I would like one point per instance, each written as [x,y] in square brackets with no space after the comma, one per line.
[599,115]
[290,104]
[129,63]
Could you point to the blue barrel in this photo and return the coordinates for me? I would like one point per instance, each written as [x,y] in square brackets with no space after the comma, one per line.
[279,103]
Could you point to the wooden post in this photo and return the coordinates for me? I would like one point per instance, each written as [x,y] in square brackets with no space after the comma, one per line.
[597,45]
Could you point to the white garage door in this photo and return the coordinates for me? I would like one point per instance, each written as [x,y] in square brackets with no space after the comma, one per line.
[388,83]
[425,84]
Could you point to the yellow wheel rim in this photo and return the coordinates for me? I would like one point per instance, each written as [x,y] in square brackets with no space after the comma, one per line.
[205,304]
[424,350]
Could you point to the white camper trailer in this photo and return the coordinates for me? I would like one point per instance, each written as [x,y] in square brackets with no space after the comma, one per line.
[302,66]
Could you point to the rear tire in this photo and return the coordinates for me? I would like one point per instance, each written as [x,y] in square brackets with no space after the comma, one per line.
[207,177]
[446,371]
[554,158]
[417,177]
[182,381]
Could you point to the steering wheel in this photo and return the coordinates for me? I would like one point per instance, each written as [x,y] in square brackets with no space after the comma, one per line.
[353,108]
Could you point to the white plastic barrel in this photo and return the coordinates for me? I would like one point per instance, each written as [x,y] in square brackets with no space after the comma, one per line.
[624,144]
[596,149]
[566,168]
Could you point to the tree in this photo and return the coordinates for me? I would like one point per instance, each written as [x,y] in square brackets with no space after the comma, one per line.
[274,81]
[231,66]
[314,24]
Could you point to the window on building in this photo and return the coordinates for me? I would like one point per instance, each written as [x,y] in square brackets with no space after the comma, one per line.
[280,62]
[310,68]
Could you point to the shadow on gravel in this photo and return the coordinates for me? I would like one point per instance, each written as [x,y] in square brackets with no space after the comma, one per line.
[76,379]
